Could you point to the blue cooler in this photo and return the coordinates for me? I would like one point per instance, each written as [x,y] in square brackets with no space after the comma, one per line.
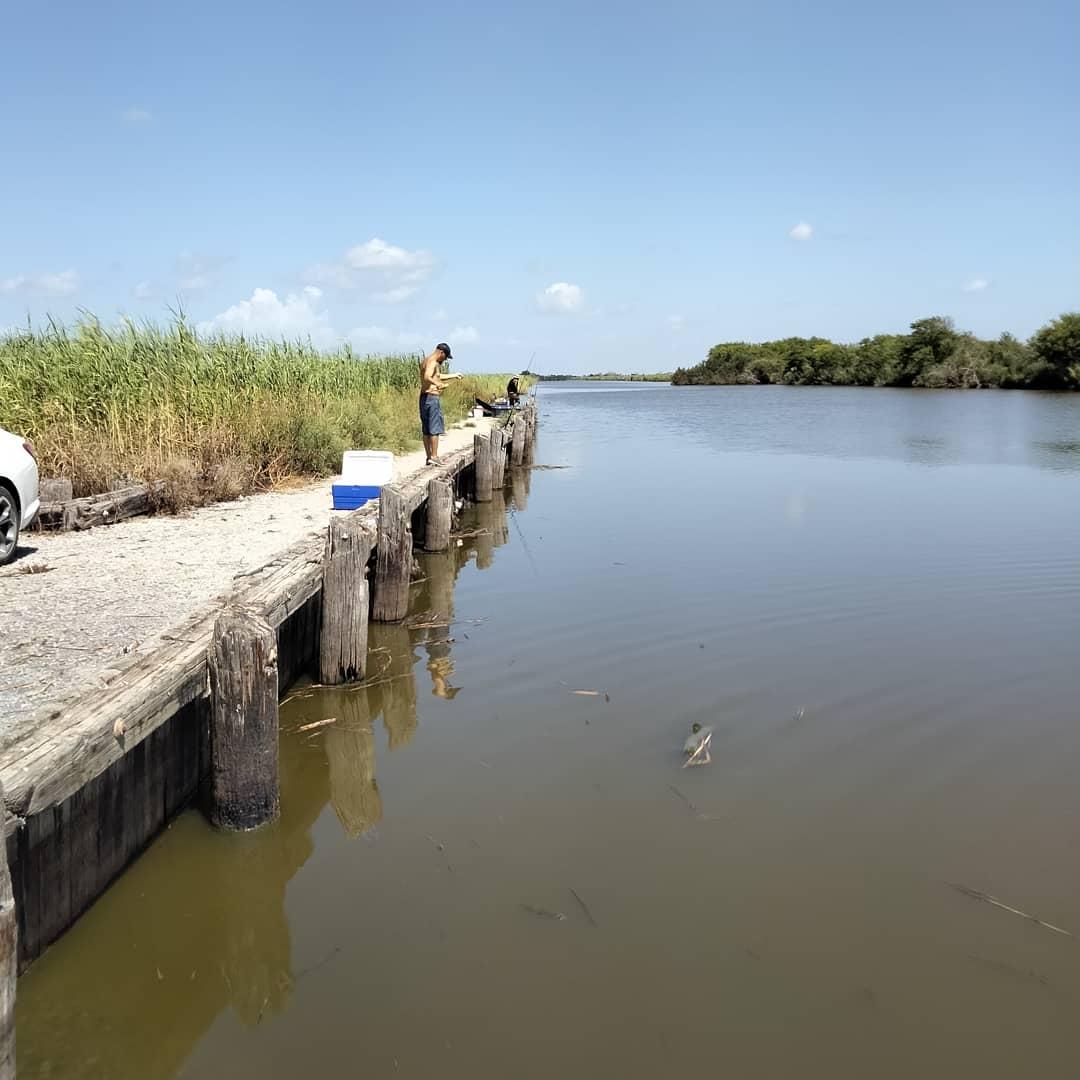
[353,496]
[363,473]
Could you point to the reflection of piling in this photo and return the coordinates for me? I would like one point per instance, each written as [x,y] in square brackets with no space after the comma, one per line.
[440,515]
[520,481]
[9,947]
[350,751]
[243,721]
[492,527]
[344,633]
[393,683]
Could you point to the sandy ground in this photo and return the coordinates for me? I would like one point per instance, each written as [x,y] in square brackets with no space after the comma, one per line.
[110,589]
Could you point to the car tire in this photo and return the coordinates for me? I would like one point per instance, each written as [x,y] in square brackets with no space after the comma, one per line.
[9,524]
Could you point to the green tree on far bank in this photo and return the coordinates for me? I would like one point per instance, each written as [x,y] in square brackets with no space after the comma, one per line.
[935,354]
[1056,349]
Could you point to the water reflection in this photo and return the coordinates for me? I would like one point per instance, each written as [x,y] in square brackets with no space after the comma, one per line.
[176,956]
[350,753]
[139,979]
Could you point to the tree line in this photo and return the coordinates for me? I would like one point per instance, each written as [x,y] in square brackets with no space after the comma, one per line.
[934,354]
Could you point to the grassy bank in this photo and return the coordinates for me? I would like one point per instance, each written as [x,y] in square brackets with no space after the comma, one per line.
[213,417]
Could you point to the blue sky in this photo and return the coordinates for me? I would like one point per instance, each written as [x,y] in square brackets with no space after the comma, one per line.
[610,187]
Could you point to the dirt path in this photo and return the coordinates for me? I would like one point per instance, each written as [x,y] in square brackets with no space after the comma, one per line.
[111,590]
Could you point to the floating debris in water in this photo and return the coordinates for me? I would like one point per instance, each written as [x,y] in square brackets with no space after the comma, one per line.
[585,908]
[697,745]
[317,724]
[692,806]
[543,913]
[986,898]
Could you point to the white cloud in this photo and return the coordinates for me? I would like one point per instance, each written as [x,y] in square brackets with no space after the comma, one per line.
[137,115]
[440,315]
[976,284]
[561,298]
[677,323]
[64,283]
[390,274]
[299,315]
[802,231]
[387,338]
[197,273]
[396,295]
[145,290]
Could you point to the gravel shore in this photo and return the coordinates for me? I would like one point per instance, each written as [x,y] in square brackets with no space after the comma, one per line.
[111,591]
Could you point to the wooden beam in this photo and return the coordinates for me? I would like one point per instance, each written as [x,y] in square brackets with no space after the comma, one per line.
[393,563]
[100,509]
[498,458]
[440,514]
[517,440]
[484,468]
[243,722]
[344,631]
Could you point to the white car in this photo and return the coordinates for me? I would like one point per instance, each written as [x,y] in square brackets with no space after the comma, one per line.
[18,491]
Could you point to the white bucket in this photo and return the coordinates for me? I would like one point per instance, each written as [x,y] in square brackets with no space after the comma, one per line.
[367,468]
[477,413]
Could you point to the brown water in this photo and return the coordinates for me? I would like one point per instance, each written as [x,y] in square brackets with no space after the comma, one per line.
[874,599]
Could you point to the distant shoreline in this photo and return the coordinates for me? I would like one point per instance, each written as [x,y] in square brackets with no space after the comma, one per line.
[607,377]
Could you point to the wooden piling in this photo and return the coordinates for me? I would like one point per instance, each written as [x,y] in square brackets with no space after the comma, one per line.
[483,469]
[243,668]
[530,433]
[440,514]
[9,948]
[345,602]
[517,440]
[394,560]
[498,459]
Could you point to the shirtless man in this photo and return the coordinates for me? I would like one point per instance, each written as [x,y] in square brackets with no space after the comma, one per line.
[432,384]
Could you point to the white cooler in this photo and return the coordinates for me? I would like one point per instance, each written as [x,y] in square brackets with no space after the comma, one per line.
[363,473]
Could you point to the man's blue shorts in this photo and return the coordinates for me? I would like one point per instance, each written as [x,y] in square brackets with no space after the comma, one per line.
[431,418]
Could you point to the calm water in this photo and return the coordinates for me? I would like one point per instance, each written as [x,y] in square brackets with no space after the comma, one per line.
[872,596]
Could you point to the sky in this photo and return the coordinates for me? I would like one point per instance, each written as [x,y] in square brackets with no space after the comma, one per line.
[568,186]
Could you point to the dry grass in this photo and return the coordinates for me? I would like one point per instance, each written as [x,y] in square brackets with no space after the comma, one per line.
[213,418]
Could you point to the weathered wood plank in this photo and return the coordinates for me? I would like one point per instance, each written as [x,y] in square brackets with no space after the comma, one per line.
[344,632]
[99,509]
[440,514]
[243,722]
